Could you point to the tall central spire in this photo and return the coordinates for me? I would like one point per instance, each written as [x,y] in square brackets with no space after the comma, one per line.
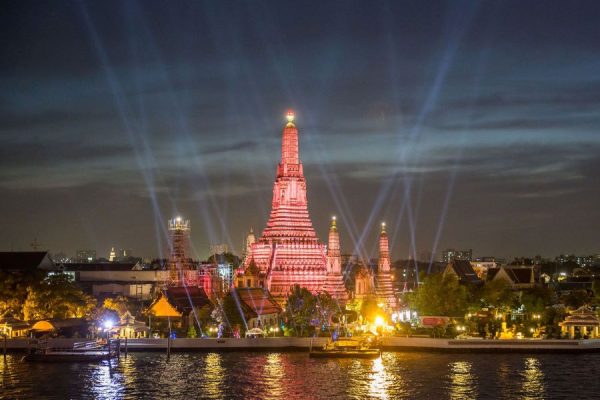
[288,252]
[289,217]
[289,144]
[384,251]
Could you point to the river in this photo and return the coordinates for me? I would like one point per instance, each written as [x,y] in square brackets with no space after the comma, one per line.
[253,375]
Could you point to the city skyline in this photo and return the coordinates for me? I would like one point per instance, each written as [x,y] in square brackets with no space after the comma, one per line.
[461,125]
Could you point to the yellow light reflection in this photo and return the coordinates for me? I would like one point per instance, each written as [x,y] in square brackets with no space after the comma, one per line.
[463,383]
[379,380]
[127,368]
[213,375]
[274,374]
[533,380]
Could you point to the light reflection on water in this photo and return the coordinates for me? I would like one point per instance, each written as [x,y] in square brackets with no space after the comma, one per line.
[463,383]
[379,379]
[273,376]
[213,376]
[533,380]
[290,376]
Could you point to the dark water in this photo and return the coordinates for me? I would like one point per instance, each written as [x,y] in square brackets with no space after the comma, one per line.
[246,375]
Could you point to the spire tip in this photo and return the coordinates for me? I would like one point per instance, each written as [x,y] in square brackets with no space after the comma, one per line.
[290,116]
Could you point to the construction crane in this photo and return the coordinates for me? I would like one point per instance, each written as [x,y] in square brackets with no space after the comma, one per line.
[35,245]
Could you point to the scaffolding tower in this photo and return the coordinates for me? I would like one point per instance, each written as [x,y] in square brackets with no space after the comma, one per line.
[179,249]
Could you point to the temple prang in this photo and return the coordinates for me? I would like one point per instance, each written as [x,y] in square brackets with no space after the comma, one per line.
[289,252]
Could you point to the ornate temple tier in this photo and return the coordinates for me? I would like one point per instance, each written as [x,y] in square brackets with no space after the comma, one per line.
[289,252]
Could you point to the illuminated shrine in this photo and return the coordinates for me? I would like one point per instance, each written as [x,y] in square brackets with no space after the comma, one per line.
[288,252]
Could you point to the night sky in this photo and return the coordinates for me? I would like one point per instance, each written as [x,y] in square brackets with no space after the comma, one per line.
[461,124]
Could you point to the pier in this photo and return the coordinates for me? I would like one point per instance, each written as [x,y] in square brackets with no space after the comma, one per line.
[397,344]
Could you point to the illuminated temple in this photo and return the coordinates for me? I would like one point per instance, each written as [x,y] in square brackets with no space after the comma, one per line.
[288,251]
[384,288]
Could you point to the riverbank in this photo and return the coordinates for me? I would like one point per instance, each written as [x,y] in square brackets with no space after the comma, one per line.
[397,344]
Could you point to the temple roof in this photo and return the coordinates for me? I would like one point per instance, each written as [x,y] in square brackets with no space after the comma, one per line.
[21,260]
[257,301]
[518,275]
[252,269]
[464,271]
[182,299]
[161,307]
[9,320]
[583,316]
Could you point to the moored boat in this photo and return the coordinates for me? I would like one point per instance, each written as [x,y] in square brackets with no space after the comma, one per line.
[347,348]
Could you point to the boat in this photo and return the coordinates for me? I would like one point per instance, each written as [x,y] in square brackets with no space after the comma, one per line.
[90,351]
[348,348]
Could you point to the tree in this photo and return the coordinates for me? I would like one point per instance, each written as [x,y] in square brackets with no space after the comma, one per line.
[440,295]
[300,309]
[577,298]
[552,317]
[498,293]
[191,332]
[326,308]
[57,297]
[203,315]
[596,288]
[231,314]
[537,299]
[119,304]
[13,290]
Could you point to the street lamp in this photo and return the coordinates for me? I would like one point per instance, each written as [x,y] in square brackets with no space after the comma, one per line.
[108,324]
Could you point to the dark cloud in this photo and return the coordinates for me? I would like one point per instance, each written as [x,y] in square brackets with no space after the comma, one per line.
[115,116]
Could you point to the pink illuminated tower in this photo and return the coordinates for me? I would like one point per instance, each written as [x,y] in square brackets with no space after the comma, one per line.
[335,280]
[289,252]
[384,288]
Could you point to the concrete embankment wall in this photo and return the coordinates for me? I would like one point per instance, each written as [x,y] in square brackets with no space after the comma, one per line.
[490,346]
[184,344]
[303,344]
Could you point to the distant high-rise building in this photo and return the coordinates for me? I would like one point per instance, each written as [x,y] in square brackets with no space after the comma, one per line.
[85,255]
[449,255]
[113,255]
